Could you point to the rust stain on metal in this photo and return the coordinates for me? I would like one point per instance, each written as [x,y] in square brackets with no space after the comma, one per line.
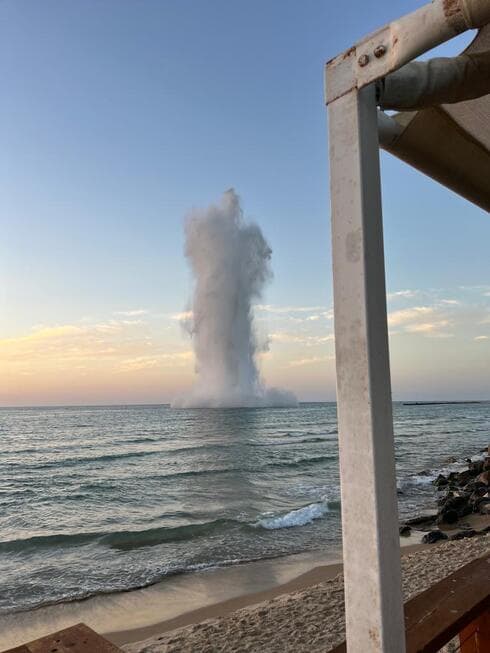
[348,52]
[341,57]
[374,636]
[451,8]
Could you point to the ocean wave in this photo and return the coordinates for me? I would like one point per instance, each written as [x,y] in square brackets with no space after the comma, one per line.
[128,540]
[293,518]
[74,462]
[293,441]
[123,540]
[301,462]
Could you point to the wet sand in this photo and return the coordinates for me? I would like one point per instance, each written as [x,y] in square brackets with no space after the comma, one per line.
[177,600]
[305,615]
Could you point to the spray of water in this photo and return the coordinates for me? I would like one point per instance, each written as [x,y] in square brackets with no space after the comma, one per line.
[230,261]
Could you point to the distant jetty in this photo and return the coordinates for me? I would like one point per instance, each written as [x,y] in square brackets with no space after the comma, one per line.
[437,403]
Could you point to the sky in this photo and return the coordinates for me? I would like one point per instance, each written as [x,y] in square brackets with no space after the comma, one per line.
[120,116]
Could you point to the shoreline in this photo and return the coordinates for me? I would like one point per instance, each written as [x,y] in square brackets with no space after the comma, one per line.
[129,616]
[305,615]
[214,610]
[176,602]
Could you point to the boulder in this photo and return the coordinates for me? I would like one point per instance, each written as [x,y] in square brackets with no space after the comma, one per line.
[434,536]
[464,477]
[475,486]
[424,520]
[486,464]
[475,500]
[459,503]
[469,532]
[476,467]
[442,500]
[483,506]
[405,530]
[484,477]
[448,516]
[440,481]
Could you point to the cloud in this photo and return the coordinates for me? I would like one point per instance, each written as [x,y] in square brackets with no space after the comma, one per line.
[312,360]
[104,346]
[299,339]
[182,316]
[132,313]
[409,315]
[270,308]
[405,294]
[429,321]
[481,338]
[150,362]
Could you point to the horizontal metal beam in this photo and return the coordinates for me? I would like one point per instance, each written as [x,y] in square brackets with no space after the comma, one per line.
[401,41]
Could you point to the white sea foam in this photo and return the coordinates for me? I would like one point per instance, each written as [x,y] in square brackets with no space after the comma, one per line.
[298,517]
[230,260]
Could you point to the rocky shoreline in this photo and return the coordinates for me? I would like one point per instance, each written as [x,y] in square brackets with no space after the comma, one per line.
[463,506]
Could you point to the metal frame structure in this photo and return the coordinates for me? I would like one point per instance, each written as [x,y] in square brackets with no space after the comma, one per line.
[371,550]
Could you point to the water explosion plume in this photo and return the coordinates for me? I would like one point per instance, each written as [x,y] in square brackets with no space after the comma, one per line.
[230,260]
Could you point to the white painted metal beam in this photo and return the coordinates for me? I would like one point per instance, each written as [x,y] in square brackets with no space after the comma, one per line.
[374,607]
[402,40]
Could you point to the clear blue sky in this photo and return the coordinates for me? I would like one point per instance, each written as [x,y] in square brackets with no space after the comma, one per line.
[118,116]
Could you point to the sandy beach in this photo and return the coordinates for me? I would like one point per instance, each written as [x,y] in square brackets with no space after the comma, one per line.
[304,615]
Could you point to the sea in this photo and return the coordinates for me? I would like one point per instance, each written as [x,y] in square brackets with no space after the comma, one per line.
[96,500]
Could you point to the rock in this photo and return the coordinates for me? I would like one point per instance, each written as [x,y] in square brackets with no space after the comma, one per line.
[442,500]
[424,520]
[459,503]
[469,532]
[448,516]
[434,536]
[451,460]
[486,464]
[475,486]
[484,477]
[405,530]
[476,467]
[464,477]
[483,506]
[476,495]
[440,481]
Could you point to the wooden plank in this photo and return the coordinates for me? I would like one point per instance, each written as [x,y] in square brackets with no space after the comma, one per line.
[435,616]
[441,612]
[76,639]
[475,638]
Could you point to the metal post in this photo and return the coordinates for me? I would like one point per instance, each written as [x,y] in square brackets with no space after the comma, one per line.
[371,550]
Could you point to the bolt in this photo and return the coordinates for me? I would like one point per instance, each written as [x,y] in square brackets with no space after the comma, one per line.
[379,51]
[363,60]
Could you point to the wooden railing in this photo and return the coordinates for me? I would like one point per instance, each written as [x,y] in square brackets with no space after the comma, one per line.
[456,610]
[76,639]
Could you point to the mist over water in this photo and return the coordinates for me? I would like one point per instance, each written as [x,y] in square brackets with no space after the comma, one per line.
[230,261]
